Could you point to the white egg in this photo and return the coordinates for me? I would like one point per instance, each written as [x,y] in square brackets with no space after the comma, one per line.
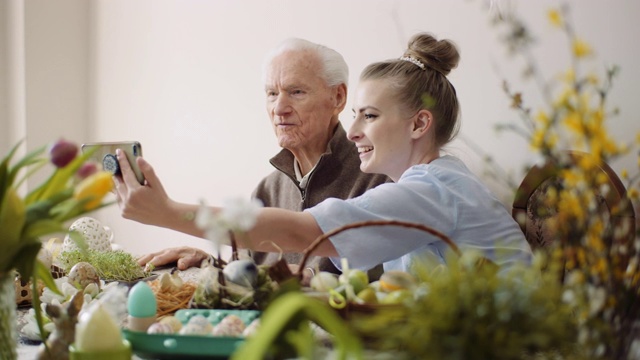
[96,236]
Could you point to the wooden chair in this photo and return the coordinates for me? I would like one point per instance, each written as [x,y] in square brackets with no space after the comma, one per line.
[531,214]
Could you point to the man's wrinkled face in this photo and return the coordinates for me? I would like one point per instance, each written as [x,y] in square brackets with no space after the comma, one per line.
[299,101]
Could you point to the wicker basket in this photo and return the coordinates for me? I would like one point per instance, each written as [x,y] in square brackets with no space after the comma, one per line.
[23,288]
[352,309]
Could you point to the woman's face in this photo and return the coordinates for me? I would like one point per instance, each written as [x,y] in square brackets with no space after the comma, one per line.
[381,130]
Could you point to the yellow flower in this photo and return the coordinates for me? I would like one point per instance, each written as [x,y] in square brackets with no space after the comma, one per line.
[537,139]
[624,174]
[95,187]
[581,48]
[573,121]
[555,18]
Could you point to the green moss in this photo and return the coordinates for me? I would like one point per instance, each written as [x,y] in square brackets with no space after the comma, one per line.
[110,265]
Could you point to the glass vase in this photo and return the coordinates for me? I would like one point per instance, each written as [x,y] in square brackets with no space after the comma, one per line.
[8,332]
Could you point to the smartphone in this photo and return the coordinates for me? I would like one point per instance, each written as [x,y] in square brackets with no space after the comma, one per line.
[105,156]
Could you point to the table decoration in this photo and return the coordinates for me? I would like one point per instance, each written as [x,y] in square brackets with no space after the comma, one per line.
[71,190]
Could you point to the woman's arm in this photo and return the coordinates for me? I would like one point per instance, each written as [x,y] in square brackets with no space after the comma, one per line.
[291,231]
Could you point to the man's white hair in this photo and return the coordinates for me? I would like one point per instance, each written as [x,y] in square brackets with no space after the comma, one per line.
[335,69]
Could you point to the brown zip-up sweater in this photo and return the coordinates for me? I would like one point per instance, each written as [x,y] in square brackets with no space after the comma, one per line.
[337,175]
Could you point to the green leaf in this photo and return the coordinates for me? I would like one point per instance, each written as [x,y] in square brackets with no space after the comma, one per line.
[43,209]
[79,241]
[294,305]
[25,259]
[5,179]
[43,227]
[44,274]
[12,218]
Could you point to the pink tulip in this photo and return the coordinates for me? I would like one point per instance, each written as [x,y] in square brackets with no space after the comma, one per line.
[87,169]
[62,153]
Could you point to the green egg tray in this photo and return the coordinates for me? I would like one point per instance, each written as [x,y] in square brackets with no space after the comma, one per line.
[191,347]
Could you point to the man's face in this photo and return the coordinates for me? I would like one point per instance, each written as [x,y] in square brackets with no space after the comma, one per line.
[302,108]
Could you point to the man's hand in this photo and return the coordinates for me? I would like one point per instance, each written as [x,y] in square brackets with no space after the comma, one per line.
[185,256]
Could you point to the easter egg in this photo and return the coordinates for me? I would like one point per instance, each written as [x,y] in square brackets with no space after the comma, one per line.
[160,328]
[96,236]
[82,274]
[141,302]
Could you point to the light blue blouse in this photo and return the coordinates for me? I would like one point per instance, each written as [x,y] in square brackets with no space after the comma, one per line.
[444,195]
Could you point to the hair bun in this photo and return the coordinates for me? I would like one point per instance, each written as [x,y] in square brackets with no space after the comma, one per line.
[439,55]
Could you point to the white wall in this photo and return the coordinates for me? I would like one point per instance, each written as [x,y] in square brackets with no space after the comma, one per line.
[184,78]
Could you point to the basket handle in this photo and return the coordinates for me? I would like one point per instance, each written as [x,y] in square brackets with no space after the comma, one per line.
[307,252]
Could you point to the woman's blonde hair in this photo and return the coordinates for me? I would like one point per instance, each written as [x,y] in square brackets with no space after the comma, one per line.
[419,79]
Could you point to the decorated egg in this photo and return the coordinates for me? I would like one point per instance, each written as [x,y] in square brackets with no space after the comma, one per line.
[231,325]
[82,274]
[197,327]
[141,302]
[96,236]
[160,328]
[201,321]
[252,328]
[172,321]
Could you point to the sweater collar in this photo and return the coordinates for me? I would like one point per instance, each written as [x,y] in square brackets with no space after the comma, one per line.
[283,161]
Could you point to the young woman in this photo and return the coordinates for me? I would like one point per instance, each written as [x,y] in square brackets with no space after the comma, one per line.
[405,111]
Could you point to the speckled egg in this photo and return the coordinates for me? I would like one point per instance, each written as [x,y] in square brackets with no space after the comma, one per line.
[96,236]
[231,325]
[195,329]
[200,320]
[172,321]
[83,274]
[160,328]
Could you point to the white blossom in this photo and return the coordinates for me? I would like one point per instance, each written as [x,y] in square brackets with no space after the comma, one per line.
[237,215]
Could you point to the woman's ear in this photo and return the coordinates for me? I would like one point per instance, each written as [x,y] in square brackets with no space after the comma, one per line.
[422,123]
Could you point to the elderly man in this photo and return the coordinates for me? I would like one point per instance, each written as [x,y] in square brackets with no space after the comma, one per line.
[306,90]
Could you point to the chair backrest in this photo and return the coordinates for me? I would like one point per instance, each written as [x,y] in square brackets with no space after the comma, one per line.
[532,216]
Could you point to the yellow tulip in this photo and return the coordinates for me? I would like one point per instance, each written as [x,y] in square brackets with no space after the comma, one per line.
[95,187]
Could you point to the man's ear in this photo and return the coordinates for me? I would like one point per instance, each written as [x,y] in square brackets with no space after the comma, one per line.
[422,123]
[340,98]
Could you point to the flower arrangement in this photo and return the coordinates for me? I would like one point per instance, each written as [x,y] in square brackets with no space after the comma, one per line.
[601,256]
[73,188]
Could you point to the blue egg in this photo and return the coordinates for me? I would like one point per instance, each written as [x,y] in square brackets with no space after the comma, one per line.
[142,301]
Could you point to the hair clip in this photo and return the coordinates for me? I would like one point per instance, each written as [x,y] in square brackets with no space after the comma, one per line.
[414,61]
